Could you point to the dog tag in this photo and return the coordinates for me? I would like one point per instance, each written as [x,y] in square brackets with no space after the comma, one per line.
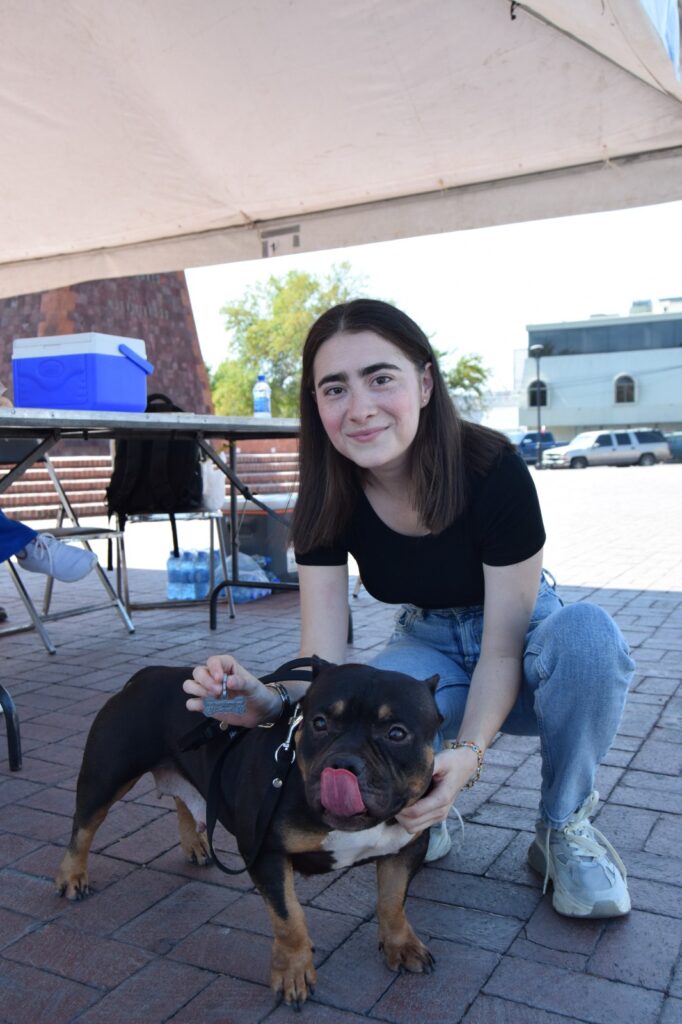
[224,705]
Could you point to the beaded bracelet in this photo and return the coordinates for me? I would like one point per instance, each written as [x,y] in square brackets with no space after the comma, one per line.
[470,745]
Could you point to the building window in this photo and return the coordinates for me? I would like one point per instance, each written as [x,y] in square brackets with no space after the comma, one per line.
[537,389]
[625,389]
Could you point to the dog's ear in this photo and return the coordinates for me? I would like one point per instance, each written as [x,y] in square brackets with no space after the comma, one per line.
[432,683]
[319,664]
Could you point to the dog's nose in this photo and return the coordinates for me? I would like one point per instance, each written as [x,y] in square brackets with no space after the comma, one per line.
[348,762]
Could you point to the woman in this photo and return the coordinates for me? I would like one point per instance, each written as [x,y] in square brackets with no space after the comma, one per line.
[442,518]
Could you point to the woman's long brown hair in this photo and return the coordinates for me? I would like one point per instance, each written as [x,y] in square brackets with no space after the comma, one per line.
[444,449]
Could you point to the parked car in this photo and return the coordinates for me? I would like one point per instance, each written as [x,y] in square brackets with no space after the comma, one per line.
[642,447]
[526,442]
[675,442]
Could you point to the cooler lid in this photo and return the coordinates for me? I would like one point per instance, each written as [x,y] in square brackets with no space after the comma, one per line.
[90,342]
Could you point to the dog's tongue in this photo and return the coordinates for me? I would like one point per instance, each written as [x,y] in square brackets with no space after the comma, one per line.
[340,793]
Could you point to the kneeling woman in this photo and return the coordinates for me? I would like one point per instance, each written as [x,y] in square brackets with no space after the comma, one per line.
[443,519]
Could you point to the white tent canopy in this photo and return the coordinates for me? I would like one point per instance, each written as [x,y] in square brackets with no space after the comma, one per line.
[150,135]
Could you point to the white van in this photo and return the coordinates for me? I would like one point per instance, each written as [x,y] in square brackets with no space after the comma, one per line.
[641,447]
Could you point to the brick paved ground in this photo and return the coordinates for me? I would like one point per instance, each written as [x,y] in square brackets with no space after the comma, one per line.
[161,940]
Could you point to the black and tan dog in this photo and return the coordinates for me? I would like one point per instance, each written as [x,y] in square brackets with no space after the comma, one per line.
[364,751]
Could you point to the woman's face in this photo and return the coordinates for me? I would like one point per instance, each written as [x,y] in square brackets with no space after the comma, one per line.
[369,396]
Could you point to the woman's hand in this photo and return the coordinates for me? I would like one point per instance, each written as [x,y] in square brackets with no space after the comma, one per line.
[207,681]
[452,770]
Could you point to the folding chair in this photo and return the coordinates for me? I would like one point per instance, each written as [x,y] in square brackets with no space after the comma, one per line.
[217,525]
[8,709]
[82,534]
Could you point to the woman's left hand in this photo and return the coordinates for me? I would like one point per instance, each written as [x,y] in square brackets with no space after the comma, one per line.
[452,770]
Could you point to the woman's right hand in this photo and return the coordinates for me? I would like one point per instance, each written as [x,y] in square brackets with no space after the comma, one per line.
[262,704]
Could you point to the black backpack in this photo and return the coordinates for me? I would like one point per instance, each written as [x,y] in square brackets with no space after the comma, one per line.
[159,476]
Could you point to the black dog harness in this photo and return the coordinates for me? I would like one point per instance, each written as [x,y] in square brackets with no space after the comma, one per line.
[284,755]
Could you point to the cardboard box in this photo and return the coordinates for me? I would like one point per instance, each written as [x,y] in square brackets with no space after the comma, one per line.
[80,371]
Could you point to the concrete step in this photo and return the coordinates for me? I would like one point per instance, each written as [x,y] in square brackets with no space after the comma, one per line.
[86,478]
[255,479]
[30,513]
[250,462]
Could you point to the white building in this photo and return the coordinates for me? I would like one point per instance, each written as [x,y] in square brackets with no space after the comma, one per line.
[608,371]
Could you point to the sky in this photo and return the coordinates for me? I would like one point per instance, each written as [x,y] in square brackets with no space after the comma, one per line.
[476,291]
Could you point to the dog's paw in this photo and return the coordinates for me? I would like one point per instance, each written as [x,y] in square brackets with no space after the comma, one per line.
[196,848]
[409,954]
[73,886]
[193,835]
[72,877]
[293,976]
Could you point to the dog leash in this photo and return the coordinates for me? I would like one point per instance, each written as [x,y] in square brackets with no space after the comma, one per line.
[305,670]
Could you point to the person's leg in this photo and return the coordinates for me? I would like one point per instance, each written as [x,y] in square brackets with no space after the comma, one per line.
[42,553]
[14,536]
[51,557]
[577,670]
[426,643]
[576,673]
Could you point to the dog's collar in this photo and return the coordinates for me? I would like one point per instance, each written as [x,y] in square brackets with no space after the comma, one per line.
[304,669]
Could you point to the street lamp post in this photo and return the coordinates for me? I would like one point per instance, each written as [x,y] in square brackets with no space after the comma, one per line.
[536,351]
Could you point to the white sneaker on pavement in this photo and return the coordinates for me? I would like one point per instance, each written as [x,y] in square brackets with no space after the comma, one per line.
[51,557]
[588,876]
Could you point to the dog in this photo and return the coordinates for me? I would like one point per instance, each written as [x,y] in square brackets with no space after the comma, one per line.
[363,752]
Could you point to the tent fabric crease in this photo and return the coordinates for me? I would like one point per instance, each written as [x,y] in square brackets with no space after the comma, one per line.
[156,136]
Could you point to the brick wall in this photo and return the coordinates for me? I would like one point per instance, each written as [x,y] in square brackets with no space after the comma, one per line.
[154,307]
[19,318]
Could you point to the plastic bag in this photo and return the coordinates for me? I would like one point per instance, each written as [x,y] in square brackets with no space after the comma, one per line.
[213,492]
[250,570]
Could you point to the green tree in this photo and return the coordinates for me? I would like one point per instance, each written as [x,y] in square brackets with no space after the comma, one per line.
[267,327]
[468,383]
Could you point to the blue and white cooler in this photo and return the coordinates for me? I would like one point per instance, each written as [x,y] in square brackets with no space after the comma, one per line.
[81,371]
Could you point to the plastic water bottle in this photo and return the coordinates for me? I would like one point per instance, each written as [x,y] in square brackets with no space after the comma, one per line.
[201,575]
[218,574]
[187,576]
[174,583]
[261,397]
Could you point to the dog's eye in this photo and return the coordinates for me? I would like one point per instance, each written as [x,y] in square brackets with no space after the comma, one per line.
[319,723]
[397,733]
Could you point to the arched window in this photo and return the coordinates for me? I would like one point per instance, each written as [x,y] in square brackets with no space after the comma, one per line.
[624,389]
[537,394]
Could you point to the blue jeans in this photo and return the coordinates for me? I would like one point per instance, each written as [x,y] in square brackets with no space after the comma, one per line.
[576,672]
[13,536]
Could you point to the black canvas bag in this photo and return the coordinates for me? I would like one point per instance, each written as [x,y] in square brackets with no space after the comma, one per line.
[158,476]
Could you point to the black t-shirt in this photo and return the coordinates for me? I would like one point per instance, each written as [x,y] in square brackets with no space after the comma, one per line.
[501,525]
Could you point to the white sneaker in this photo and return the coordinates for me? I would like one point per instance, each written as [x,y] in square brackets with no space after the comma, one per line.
[588,876]
[50,556]
[440,842]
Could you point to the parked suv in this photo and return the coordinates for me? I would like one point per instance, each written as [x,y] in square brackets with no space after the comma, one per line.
[642,447]
[527,442]
[675,442]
